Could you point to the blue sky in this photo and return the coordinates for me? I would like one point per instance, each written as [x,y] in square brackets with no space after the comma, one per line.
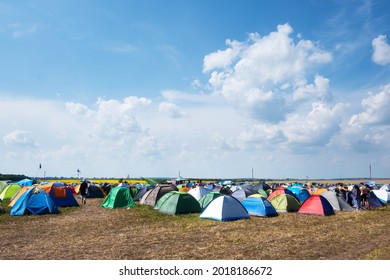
[205,88]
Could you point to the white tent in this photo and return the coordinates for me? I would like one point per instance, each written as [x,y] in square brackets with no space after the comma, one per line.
[225,208]
[383,196]
[199,192]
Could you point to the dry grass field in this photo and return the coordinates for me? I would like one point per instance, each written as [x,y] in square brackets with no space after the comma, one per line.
[89,232]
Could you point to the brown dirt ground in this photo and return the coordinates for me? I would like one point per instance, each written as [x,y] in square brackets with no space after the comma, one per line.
[92,233]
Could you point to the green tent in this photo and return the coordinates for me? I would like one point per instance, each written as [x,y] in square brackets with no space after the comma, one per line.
[285,203]
[119,197]
[9,191]
[176,202]
[133,191]
[206,199]
[263,193]
[3,185]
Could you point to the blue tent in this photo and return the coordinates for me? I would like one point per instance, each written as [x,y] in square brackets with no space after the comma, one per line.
[375,201]
[300,193]
[95,192]
[62,196]
[259,206]
[34,201]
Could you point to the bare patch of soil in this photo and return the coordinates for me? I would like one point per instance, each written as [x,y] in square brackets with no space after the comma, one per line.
[89,232]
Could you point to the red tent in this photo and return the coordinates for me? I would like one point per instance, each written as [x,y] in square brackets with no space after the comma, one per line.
[316,205]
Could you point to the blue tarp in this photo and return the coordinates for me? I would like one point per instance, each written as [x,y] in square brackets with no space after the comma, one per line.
[370,183]
[25,182]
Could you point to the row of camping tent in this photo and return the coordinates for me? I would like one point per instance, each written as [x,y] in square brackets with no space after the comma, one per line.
[37,199]
[240,204]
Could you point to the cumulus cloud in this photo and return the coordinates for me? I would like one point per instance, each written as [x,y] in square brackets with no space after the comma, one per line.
[77,109]
[101,136]
[381,54]
[18,138]
[370,129]
[376,110]
[222,59]
[272,80]
[116,119]
[314,129]
[319,90]
[261,134]
[259,76]
[112,118]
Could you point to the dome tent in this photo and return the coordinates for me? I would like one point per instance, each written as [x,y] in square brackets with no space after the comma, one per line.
[205,200]
[225,208]
[118,197]
[281,190]
[300,193]
[199,192]
[382,195]
[242,194]
[316,205]
[9,191]
[60,194]
[152,196]
[34,201]
[176,202]
[285,203]
[141,192]
[259,206]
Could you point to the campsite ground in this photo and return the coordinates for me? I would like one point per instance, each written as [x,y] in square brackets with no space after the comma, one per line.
[92,233]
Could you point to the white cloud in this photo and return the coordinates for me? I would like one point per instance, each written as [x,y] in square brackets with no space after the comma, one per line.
[314,130]
[148,146]
[369,130]
[319,90]
[260,76]
[77,109]
[172,110]
[222,59]
[18,138]
[260,134]
[268,108]
[381,54]
[175,96]
[115,119]
[376,110]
